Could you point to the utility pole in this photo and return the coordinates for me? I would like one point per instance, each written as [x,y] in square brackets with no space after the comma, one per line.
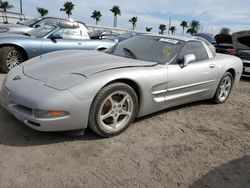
[169,24]
[201,28]
[21,7]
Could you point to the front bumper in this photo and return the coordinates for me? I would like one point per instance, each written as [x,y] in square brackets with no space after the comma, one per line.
[22,97]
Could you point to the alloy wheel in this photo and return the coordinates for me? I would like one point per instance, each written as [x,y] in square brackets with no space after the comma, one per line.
[225,88]
[13,59]
[115,111]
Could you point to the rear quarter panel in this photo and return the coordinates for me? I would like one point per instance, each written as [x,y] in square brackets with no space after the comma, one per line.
[225,63]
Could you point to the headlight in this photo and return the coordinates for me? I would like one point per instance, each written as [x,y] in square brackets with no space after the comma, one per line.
[50,113]
[3,30]
[66,81]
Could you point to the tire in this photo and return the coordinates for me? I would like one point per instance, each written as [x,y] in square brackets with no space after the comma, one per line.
[224,88]
[113,109]
[10,57]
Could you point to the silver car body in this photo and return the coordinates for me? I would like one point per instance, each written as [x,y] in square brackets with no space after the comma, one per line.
[70,80]
[26,26]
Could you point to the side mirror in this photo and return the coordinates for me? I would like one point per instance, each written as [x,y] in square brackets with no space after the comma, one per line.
[55,36]
[36,26]
[103,36]
[188,59]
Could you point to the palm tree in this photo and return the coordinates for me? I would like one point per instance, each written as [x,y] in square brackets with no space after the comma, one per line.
[42,11]
[96,15]
[133,21]
[162,28]
[116,11]
[184,24]
[5,5]
[194,27]
[225,31]
[172,29]
[148,29]
[68,7]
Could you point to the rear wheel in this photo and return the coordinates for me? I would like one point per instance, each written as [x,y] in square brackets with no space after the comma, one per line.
[10,57]
[224,88]
[113,109]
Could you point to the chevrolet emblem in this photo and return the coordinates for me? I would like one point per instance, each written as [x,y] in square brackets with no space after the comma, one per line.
[17,78]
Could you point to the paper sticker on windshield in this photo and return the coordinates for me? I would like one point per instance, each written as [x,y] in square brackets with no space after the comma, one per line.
[167,50]
[169,40]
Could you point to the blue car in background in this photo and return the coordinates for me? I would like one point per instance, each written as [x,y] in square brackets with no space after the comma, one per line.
[66,35]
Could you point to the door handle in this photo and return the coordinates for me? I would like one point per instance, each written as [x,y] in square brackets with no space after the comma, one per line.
[79,43]
[211,66]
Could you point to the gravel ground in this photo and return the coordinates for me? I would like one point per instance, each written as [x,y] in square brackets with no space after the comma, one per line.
[195,145]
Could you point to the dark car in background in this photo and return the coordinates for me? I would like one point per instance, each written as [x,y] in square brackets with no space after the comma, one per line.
[241,43]
[224,44]
[208,36]
[66,35]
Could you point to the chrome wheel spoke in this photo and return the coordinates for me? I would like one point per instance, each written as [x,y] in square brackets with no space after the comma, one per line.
[225,88]
[228,85]
[105,116]
[222,86]
[115,122]
[126,113]
[222,94]
[115,111]
[13,59]
[125,98]
[111,100]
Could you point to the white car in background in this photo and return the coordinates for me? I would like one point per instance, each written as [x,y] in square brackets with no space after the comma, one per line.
[241,43]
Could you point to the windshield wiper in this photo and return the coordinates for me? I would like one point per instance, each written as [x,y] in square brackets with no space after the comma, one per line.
[131,54]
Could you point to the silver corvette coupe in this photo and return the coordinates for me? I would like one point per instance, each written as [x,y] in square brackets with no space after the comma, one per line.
[71,90]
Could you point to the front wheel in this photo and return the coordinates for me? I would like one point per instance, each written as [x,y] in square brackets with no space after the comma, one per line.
[224,88]
[10,57]
[113,109]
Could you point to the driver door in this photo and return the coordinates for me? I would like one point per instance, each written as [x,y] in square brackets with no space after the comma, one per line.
[67,39]
[196,81]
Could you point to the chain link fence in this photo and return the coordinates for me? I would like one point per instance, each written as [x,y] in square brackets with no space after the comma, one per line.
[11,17]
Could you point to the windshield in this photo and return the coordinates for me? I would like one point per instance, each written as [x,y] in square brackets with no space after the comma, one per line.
[41,31]
[30,22]
[147,48]
[96,33]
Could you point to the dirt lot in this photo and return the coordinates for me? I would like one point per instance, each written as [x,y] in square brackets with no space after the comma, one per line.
[195,145]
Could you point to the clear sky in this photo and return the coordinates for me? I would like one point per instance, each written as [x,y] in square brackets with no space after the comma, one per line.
[212,14]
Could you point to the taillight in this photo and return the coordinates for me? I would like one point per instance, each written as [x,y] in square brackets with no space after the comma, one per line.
[231,52]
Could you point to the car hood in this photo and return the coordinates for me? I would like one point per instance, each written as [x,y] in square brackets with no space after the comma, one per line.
[13,36]
[54,65]
[241,40]
[16,28]
[13,26]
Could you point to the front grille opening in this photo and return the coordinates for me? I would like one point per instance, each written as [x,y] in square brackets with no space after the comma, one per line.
[244,56]
[33,123]
[246,64]
[22,109]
